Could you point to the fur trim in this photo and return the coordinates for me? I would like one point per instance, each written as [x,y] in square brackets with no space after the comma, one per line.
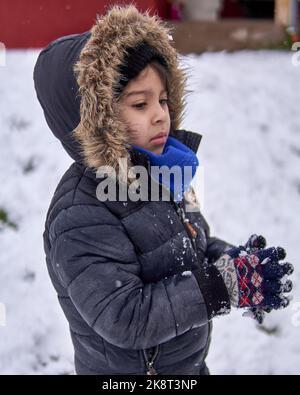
[102,137]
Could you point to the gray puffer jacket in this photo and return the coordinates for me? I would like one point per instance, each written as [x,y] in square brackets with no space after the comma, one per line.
[139,292]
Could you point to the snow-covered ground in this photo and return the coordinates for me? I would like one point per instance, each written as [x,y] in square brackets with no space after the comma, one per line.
[246,106]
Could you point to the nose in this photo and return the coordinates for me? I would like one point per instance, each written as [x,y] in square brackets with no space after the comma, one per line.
[160,113]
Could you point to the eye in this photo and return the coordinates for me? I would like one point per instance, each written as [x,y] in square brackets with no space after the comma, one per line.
[139,105]
[165,100]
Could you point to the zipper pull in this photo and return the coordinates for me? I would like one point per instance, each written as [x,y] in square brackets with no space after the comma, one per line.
[190,229]
[151,370]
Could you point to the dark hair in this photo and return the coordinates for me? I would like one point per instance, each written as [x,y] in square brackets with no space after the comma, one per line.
[163,73]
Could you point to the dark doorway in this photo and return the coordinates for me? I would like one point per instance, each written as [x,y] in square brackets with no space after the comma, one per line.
[253,9]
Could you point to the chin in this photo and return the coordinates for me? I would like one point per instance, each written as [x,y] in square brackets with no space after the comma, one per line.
[158,150]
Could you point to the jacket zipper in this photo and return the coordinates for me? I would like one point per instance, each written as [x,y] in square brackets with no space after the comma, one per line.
[192,233]
[149,363]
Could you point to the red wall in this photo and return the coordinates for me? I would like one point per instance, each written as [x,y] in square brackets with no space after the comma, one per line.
[34,23]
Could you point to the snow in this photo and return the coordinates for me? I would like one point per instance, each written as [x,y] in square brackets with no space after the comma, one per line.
[118,283]
[246,106]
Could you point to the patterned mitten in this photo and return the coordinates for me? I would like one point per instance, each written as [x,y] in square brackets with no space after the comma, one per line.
[254,276]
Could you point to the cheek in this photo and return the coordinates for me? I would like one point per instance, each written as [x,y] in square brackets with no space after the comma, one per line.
[137,127]
[137,119]
[131,117]
[168,116]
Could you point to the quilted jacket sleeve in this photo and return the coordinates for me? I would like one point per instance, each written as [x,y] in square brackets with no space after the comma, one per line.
[215,246]
[95,260]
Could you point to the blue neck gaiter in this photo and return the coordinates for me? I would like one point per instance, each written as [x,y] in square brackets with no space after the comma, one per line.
[178,154]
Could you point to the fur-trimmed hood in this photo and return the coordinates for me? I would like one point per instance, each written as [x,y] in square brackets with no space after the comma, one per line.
[75,77]
[103,137]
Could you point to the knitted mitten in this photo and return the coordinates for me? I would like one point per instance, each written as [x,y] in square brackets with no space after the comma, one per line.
[253,275]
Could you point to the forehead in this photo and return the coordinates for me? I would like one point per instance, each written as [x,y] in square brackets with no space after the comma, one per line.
[148,82]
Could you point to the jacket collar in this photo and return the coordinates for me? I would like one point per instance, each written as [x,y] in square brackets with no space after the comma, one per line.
[190,139]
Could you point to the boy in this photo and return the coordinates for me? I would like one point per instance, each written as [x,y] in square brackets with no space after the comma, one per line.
[138,280]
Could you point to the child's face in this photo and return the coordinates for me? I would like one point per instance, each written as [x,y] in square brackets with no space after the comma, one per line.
[146,114]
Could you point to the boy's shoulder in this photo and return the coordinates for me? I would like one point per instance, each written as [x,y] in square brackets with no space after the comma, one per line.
[74,188]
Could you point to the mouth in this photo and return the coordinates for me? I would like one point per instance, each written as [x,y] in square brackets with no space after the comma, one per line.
[160,138]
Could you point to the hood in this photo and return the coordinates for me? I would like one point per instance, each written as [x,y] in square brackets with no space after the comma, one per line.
[75,78]
[57,90]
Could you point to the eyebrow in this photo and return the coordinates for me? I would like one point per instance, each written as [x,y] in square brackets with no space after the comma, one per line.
[142,92]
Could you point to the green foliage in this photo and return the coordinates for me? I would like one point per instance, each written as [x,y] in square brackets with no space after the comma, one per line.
[4,220]
[288,40]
